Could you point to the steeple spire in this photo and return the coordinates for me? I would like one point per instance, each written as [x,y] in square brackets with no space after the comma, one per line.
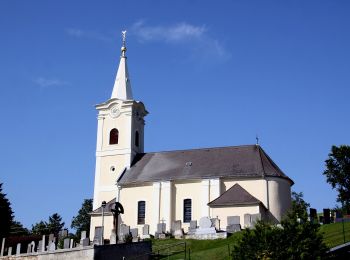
[122,86]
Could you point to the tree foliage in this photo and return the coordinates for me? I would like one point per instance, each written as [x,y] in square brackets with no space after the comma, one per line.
[53,226]
[6,214]
[81,222]
[297,238]
[338,173]
[17,229]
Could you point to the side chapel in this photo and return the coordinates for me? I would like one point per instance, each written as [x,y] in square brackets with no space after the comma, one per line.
[161,187]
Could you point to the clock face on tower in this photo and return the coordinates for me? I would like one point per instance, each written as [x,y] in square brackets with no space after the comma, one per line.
[115,111]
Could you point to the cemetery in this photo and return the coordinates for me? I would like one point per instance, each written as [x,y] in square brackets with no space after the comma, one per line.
[130,242]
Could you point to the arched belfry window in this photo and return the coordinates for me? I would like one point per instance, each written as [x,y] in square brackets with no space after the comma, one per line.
[141,212]
[187,210]
[137,139]
[113,136]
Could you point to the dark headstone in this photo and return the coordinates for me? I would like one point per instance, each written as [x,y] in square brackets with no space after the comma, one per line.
[326,216]
[193,224]
[233,228]
[321,218]
[313,215]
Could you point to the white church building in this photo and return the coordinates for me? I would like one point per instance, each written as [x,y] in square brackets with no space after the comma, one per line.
[161,187]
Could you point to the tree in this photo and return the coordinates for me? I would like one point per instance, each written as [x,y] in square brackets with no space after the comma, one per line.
[338,173]
[40,228]
[81,222]
[54,225]
[17,229]
[297,238]
[6,214]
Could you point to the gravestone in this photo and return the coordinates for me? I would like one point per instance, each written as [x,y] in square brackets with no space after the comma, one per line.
[66,243]
[134,233]
[247,220]
[321,219]
[255,218]
[145,231]
[29,246]
[232,220]
[98,236]
[113,237]
[85,242]
[83,234]
[233,224]
[9,251]
[215,222]
[40,245]
[233,228]
[326,216]
[18,249]
[51,247]
[123,232]
[2,247]
[43,244]
[161,228]
[51,238]
[313,215]
[193,224]
[71,243]
[205,227]
[176,225]
[205,222]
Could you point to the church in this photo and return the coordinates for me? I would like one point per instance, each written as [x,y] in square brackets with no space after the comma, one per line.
[185,185]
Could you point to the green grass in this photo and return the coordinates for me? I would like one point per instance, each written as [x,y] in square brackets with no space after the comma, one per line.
[333,233]
[218,249]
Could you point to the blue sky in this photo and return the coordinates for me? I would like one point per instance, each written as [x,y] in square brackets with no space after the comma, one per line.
[211,73]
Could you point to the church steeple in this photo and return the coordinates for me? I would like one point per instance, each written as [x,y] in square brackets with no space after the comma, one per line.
[122,85]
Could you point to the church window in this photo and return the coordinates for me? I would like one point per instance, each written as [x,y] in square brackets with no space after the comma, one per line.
[141,212]
[187,210]
[137,138]
[113,136]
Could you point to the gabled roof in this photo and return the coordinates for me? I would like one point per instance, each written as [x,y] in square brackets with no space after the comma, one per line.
[234,196]
[248,161]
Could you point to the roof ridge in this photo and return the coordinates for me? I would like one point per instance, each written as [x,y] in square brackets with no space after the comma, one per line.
[203,148]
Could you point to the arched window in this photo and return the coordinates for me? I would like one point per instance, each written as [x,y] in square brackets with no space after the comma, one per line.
[141,212]
[187,210]
[137,138]
[113,136]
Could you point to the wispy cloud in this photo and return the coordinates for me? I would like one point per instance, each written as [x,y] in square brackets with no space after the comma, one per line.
[78,33]
[201,44]
[53,82]
[172,33]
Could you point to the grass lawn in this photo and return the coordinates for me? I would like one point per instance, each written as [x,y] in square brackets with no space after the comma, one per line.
[333,233]
[199,249]
[220,249]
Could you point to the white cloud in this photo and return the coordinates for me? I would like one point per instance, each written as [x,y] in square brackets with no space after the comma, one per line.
[200,43]
[78,33]
[173,33]
[45,82]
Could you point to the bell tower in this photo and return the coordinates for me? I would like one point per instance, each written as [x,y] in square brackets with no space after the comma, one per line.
[120,133]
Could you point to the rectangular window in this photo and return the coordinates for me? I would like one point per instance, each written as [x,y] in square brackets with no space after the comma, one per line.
[187,210]
[141,212]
